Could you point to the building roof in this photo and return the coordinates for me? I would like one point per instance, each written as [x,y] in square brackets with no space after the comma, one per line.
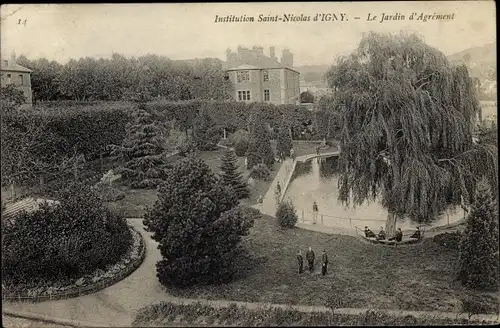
[7,65]
[261,62]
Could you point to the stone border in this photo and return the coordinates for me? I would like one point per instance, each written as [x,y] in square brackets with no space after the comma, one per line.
[81,291]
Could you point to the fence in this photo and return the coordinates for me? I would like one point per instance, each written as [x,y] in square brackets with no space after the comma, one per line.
[334,221]
[81,291]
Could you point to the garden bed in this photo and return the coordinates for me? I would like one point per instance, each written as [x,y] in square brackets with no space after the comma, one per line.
[100,279]
[165,313]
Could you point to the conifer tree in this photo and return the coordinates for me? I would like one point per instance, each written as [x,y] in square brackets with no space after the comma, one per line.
[198,226]
[231,176]
[479,260]
[206,135]
[283,140]
[259,145]
[142,151]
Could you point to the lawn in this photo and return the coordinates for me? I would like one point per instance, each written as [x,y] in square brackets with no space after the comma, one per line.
[410,278]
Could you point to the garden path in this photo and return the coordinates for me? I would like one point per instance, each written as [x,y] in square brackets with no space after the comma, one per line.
[118,304]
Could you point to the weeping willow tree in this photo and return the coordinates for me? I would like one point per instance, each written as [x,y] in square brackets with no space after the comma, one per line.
[406,117]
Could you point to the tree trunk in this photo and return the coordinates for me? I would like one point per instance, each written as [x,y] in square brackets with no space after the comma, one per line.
[390,225]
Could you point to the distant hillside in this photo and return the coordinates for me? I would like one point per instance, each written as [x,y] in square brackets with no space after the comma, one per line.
[481,61]
[310,73]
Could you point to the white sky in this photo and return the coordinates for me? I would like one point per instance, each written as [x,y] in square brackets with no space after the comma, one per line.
[182,31]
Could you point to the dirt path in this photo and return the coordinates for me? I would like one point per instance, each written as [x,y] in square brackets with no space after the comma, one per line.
[117,305]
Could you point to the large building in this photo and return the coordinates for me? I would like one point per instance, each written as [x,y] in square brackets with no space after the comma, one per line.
[19,76]
[258,78]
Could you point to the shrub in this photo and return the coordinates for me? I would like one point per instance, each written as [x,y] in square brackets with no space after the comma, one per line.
[197,224]
[284,140]
[62,241]
[206,134]
[259,146]
[448,239]
[479,304]
[260,172]
[286,215]
[240,141]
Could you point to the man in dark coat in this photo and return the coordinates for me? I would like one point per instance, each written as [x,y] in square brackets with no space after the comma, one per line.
[416,234]
[300,261]
[324,259]
[310,259]
[369,233]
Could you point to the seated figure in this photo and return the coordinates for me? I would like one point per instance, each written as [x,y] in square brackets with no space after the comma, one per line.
[417,234]
[369,233]
[381,234]
[398,236]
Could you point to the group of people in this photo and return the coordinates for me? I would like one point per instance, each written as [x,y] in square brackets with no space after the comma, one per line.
[397,237]
[281,155]
[310,257]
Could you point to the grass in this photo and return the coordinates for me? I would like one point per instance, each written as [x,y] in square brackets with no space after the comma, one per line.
[409,278]
[200,314]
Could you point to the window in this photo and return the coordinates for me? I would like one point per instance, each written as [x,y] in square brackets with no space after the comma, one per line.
[267,95]
[266,76]
[244,95]
[21,79]
[9,78]
[243,76]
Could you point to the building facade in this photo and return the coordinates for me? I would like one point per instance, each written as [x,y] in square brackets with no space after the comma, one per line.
[19,76]
[258,78]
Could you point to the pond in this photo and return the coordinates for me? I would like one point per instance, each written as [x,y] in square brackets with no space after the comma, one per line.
[317,180]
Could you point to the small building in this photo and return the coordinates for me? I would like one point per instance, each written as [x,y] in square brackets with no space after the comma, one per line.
[19,76]
[258,78]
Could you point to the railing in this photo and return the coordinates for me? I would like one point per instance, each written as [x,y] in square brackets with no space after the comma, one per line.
[332,221]
[81,291]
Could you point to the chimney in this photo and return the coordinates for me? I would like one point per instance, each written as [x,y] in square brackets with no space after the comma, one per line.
[272,52]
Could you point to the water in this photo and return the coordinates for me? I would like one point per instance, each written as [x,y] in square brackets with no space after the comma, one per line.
[317,180]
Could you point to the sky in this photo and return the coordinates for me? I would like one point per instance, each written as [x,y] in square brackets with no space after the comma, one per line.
[183,31]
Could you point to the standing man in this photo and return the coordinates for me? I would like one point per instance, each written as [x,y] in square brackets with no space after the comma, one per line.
[324,259]
[315,212]
[292,154]
[310,259]
[300,261]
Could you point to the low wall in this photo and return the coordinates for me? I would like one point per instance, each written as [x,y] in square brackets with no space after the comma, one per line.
[85,290]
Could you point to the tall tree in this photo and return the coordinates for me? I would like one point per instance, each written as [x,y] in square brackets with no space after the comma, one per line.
[231,176]
[284,139]
[479,260]
[143,151]
[259,145]
[206,134]
[198,226]
[406,120]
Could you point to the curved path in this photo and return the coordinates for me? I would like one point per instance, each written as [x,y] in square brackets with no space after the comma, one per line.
[118,304]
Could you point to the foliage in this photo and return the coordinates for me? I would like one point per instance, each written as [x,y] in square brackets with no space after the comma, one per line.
[197,224]
[479,304]
[11,98]
[260,172]
[71,239]
[206,134]
[46,142]
[231,176]
[406,121]
[488,133]
[448,239]
[240,141]
[284,141]
[479,260]
[119,78]
[286,215]
[165,313]
[259,145]
[143,151]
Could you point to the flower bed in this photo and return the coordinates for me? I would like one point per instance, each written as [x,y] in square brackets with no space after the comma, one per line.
[88,284]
